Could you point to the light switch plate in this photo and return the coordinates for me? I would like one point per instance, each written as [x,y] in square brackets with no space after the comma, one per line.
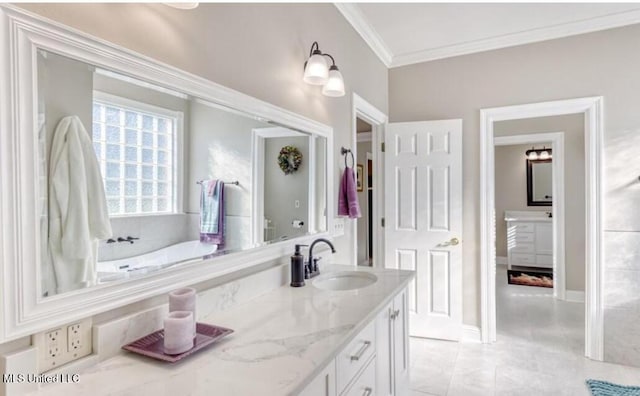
[338,226]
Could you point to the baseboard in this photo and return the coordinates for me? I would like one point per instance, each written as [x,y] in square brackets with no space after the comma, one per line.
[574,296]
[471,334]
[500,260]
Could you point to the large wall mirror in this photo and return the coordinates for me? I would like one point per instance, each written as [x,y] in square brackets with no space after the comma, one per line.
[145,176]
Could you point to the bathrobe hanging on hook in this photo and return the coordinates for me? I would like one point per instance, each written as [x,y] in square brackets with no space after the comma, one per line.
[78,215]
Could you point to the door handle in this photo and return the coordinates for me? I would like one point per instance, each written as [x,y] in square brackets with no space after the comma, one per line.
[452,242]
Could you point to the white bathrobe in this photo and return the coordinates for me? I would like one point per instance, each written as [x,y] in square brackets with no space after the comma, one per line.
[78,214]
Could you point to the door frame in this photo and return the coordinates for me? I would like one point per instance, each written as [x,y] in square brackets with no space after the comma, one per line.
[258,137]
[558,202]
[377,119]
[592,107]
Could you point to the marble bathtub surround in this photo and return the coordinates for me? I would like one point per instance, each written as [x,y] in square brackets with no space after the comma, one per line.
[282,339]
[178,332]
[184,299]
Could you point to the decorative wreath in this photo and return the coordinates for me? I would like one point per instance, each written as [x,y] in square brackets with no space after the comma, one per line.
[289,159]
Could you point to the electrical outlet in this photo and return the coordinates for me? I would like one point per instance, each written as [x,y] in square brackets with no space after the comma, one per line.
[79,339]
[52,344]
[63,345]
[74,341]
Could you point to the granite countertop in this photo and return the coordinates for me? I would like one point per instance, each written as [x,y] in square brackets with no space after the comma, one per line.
[282,339]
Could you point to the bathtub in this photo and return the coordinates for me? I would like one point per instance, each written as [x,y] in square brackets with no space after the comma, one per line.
[153,261]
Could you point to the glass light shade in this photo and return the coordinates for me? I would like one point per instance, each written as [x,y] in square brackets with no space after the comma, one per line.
[316,71]
[533,156]
[545,155]
[335,85]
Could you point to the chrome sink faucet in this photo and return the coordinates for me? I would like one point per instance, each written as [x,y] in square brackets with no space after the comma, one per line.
[311,267]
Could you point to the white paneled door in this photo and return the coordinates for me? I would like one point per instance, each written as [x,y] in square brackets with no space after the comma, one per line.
[423,221]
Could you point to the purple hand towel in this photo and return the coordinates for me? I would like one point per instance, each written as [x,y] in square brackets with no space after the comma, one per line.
[348,204]
[212,191]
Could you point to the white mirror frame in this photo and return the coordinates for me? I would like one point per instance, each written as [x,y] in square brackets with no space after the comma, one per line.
[22,311]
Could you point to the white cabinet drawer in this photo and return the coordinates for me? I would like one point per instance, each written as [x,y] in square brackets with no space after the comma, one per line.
[524,227]
[544,260]
[355,355]
[365,385]
[521,259]
[524,237]
[523,247]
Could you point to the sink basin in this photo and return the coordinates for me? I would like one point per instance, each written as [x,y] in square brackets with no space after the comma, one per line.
[346,280]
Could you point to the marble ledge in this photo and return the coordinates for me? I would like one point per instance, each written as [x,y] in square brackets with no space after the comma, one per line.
[282,339]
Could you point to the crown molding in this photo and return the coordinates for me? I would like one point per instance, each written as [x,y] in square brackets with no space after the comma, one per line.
[354,16]
[526,37]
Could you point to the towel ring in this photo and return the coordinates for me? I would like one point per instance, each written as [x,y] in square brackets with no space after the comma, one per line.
[344,152]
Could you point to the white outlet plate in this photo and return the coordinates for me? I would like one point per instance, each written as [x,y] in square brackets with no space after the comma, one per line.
[338,226]
[62,345]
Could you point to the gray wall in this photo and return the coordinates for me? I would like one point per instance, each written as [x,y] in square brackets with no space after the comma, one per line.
[602,63]
[281,191]
[257,49]
[574,185]
[220,148]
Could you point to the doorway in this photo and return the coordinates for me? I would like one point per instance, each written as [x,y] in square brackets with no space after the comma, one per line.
[592,111]
[364,113]
[530,198]
[364,173]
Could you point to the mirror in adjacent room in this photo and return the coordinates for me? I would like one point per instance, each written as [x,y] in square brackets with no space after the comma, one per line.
[539,180]
[136,177]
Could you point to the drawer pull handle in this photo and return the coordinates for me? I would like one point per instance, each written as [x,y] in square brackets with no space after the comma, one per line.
[359,354]
[395,314]
[367,392]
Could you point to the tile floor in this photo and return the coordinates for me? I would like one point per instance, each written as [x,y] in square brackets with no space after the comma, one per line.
[539,352]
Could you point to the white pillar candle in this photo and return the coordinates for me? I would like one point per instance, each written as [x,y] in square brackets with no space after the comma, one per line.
[178,332]
[184,300]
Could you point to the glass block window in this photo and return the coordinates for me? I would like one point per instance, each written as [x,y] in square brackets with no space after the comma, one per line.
[136,151]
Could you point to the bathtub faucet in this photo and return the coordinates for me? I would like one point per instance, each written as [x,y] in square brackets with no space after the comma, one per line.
[129,239]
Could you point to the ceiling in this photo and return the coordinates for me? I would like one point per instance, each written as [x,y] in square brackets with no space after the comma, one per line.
[406,33]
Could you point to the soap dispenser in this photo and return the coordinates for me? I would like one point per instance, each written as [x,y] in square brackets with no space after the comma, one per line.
[297,268]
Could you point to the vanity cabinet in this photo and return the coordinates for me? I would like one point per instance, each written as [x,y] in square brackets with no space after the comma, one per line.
[324,384]
[529,243]
[375,362]
[392,348]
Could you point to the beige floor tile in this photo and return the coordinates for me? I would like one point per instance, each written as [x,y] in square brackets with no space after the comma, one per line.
[539,352]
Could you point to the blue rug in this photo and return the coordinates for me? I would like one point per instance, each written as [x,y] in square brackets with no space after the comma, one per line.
[604,388]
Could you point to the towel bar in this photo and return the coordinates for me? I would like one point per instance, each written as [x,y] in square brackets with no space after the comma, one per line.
[237,183]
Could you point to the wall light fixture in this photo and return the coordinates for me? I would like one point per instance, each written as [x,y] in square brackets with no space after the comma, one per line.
[317,72]
[538,154]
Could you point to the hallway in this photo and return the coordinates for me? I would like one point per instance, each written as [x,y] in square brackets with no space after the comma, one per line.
[545,360]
